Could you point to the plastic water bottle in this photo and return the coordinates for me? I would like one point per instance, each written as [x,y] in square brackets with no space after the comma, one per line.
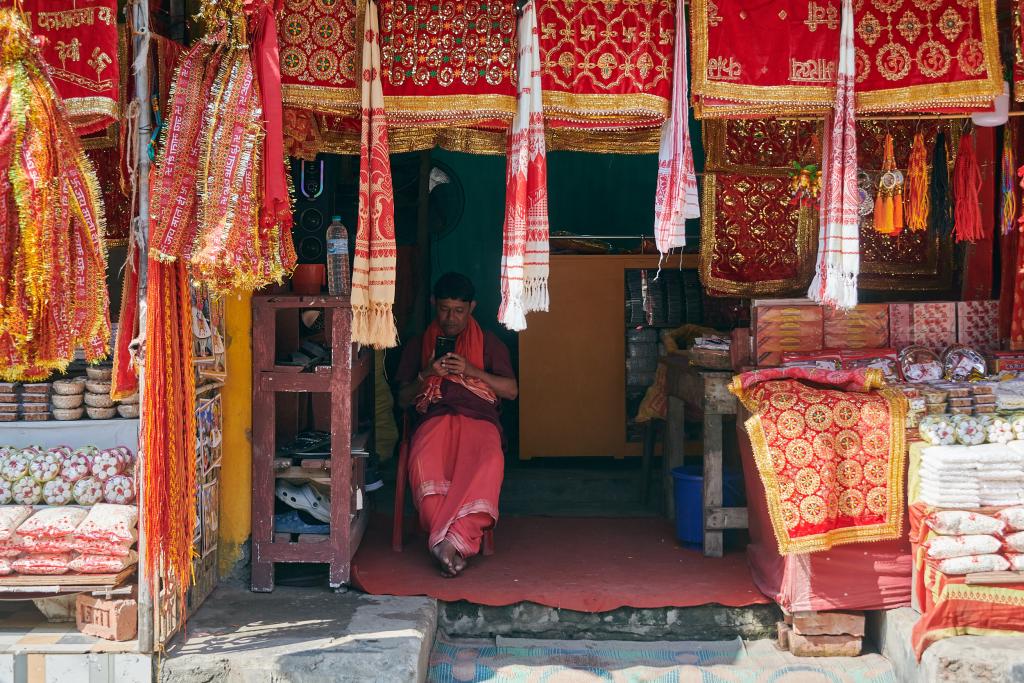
[339,279]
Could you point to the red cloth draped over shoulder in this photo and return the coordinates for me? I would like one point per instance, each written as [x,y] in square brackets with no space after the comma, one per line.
[469,345]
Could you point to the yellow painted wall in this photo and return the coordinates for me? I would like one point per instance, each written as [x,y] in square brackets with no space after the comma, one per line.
[236,471]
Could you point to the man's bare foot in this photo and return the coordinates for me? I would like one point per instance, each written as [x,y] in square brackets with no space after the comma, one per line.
[449,558]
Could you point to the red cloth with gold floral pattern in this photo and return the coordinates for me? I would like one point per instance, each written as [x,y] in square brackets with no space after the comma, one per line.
[319,54]
[606,64]
[448,62]
[829,447]
[80,48]
[910,55]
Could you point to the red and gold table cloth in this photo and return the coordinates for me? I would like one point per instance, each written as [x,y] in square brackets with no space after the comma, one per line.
[606,64]
[449,62]
[830,448]
[80,48]
[949,606]
[319,55]
[910,55]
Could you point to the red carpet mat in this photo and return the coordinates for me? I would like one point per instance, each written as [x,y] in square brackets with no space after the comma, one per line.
[588,565]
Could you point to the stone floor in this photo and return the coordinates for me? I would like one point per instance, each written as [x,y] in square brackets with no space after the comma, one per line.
[303,635]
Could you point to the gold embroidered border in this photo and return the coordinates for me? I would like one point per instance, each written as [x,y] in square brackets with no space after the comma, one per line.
[892,528]
[626,141]
[612,108]
[806,249]
[321,99]
[480,107]
[882,276]
[468,140]
[90,109]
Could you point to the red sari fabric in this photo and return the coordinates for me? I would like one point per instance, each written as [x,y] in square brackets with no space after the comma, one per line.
[320,42]
[80,47]
[606,65]
[950,607]
[830,451]
[448,62]
[910,55]
[456,467]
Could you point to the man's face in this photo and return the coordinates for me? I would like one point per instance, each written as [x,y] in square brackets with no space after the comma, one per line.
[453,315]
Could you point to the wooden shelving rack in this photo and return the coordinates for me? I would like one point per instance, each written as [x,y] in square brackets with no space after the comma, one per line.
[275,326]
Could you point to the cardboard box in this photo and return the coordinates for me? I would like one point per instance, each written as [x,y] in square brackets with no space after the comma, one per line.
[1006,361]
[900,325]
[977,324]
[782,328]
[933,324]
[863,327]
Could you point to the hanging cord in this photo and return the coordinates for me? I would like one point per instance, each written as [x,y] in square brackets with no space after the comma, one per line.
[917,199]
[966,187]
[941,215]
[1008,206]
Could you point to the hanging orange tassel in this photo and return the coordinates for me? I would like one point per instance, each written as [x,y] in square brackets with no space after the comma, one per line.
[916,198]
[889,200]
[966,187]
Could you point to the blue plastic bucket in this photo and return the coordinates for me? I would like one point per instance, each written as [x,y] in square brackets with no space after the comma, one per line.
[689,500]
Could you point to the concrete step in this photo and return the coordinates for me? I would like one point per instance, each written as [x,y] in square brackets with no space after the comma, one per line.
[530,620]
[512,659]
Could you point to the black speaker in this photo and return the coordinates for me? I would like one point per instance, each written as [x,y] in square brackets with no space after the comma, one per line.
[324,188]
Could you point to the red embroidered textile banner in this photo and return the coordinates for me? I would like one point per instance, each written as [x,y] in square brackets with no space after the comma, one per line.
[606,64]
[449,62]
[910,55]
[829,447]
[319,56]
[80,48]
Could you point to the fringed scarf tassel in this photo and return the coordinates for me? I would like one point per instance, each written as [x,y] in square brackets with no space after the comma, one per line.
[373,272]
[917,199]
[966,188]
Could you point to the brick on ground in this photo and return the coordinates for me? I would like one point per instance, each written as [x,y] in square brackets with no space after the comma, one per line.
[824,646]
[784,633]
[108,619]
[829,623]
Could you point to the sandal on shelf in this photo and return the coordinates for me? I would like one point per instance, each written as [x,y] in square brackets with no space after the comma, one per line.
[304,498]
[308,442]
[295,522]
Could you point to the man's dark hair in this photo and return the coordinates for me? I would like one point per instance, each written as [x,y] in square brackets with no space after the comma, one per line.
[454,286]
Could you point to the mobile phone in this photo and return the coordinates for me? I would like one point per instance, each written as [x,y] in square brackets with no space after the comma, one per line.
[443,346]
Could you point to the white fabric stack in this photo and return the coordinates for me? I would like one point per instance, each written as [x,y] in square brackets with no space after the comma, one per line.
[969,477]
[966,542]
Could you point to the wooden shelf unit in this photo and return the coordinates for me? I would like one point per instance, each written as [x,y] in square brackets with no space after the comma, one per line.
[278,393]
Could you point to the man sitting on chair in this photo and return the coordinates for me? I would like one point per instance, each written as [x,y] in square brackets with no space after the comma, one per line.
[456,463]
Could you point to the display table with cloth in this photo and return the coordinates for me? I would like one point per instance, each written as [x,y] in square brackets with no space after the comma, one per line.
[825,519]
[949,605]
[859,576]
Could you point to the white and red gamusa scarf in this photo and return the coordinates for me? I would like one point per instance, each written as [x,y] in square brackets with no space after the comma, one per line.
[373,273]
[524,259]
[835,276]
[676,197]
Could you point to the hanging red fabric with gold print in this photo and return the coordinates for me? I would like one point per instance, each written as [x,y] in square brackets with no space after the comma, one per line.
[80,48]
[606,64]
[319,59]
[910,55]
[448,62]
